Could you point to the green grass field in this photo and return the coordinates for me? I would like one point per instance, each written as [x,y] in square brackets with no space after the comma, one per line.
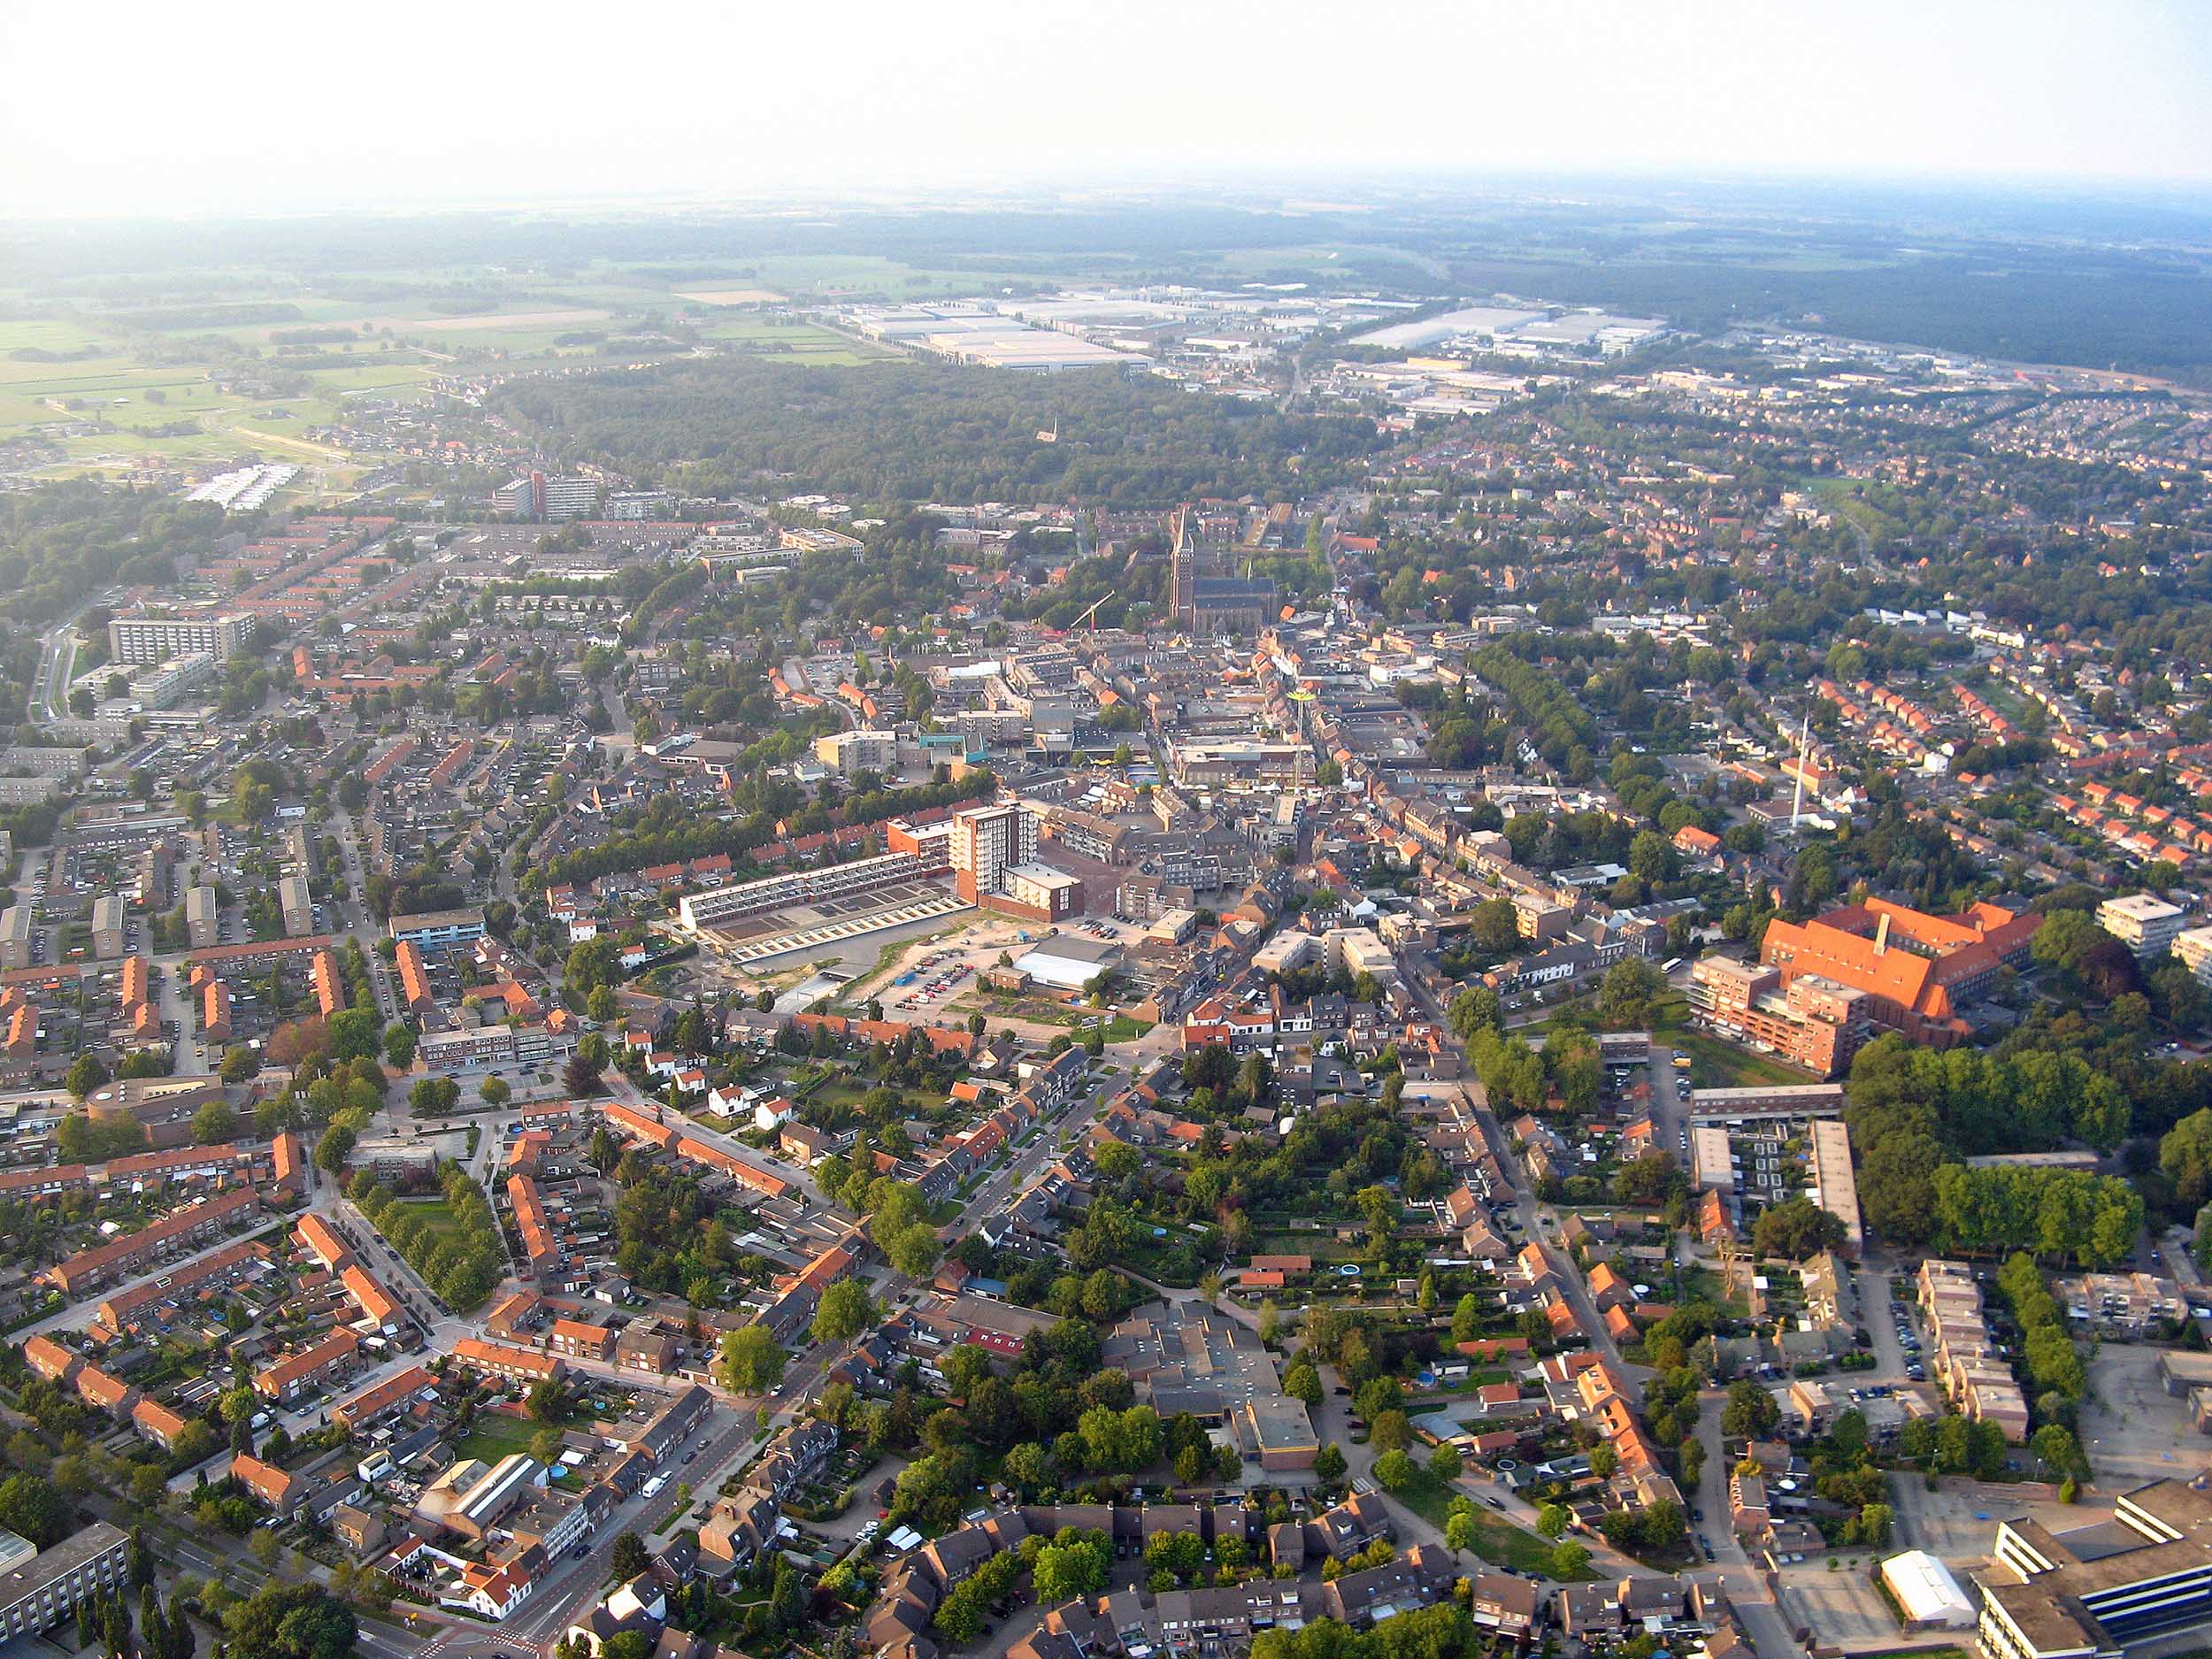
[175,411]
[788,337]
[438,1213]
[495,1436]
[45,334]
[1845,497]
[152,366]
[1496,1540]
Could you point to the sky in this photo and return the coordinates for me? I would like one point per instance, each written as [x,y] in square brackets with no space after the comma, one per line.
[251,107]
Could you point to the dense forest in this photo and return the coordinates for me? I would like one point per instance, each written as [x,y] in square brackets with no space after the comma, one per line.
[934,431]
[2083,306]
[61,541]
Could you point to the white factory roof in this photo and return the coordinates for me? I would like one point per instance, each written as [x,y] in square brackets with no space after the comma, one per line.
[1474,320]
[1926,1589]
[1071,947]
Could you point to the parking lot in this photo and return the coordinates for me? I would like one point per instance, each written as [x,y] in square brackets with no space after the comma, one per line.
[1895,1326]
[1957,1523]
[2131,1428]
[953,962]
[948,968]
[1842,1607]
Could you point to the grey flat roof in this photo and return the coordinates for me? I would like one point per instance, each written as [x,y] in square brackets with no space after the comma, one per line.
[1073,948]
[63,1559]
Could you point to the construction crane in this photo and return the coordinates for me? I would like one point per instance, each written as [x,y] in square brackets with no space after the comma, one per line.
[1087,615]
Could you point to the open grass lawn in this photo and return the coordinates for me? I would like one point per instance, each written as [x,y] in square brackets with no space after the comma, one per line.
[1497,1538]
[46,334]
[1723,1065]
[819,276]
[438,1213]
[1847,497]
[494,1436]
[839,1091]
[1039,1010]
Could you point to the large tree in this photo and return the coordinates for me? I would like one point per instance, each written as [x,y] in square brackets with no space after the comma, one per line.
[291,1621]
[1796,1228]
[845,1312]
[752,1361]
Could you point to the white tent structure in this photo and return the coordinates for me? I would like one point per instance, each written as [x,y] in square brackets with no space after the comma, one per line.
[1924,1588]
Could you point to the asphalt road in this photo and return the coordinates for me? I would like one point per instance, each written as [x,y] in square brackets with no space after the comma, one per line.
[573,1585]
[1537,1221]
[1763,1621]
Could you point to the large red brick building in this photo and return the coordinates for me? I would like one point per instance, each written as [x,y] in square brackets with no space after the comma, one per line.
[1915,971]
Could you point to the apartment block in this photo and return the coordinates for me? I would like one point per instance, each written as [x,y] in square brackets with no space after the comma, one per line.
[299,906]
[1817,1023]
[150,641]
[201,919]
[2145,922]
[107,927]
[17,931]
[701,910]
[39,1590]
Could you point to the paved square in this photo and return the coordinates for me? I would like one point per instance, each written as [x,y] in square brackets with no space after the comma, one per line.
[1842,1609]
[2131,1428]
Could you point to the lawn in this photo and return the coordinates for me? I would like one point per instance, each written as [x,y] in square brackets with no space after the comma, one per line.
[1043,1011]
[838,1091]
[1847,499]
[817,276]
[1723,1065]
[495,1436]
[787,336]
[1496,1540]
[439,1214]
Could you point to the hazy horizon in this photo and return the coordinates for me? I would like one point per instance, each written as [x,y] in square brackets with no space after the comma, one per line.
[277,112]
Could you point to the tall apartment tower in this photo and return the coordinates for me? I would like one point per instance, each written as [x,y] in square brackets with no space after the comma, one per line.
[987,841]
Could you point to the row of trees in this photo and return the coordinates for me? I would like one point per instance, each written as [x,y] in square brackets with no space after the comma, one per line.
[463,1260]
[2060,1215]
[2056,1373]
